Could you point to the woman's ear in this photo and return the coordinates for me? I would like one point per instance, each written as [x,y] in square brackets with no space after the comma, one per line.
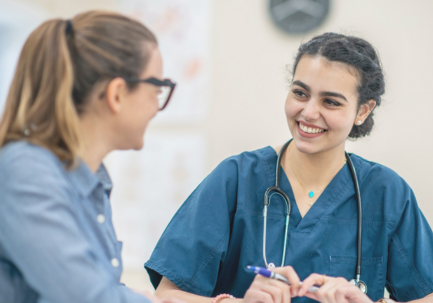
[115,94]
[364,110]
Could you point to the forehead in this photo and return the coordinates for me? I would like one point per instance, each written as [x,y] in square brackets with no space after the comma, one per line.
[323,75]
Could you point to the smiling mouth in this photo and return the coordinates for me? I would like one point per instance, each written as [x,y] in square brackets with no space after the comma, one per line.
[310,130]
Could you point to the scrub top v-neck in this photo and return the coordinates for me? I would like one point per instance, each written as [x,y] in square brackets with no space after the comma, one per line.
[320,206]
[218,231]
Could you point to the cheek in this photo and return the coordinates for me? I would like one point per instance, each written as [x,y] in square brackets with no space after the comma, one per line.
[145,108]
[137,118]
[341,122]
[144,113]
[292,108]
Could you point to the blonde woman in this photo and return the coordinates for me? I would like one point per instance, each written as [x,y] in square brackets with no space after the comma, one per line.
[82,88]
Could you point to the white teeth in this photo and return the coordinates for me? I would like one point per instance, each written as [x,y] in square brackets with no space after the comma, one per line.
[310,130]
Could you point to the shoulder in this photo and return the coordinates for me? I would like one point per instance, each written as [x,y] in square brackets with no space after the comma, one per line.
[247,160]
[249,166]
[22,160]
[25,150]
[374,172]
[383,188]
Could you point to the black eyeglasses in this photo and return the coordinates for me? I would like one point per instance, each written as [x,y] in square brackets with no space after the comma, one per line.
[166,88]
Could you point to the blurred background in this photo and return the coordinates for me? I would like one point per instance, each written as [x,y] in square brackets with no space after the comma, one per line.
[230,59]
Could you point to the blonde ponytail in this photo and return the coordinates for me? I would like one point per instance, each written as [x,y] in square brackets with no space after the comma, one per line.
[58,67]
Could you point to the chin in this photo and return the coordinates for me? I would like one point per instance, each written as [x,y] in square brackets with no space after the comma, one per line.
[310,147]
[132,145]
[139,145]
[305,147]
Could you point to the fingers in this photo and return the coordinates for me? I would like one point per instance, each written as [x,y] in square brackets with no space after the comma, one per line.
[332,290]
[313,279]
[327,292]
[276,291]
[311,296]
[351,294]
[279,291]
[340,295]
[292,276]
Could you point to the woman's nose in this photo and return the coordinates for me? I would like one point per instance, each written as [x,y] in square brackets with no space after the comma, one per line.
[311,110]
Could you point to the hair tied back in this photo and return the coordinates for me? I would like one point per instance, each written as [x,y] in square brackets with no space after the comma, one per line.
[69,27]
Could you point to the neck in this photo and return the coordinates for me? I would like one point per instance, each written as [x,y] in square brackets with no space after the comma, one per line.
[96,145]
[314,170]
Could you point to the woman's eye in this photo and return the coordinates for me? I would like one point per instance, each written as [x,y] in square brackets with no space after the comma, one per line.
[299,93]
[332,102]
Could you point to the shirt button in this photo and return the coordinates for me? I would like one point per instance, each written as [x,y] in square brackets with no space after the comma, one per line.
[100,218]
[115,262]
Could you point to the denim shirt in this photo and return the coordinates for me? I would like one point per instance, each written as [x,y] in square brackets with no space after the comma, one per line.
[57,241]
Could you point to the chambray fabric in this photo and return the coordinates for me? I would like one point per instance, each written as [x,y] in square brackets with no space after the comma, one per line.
[52,247]
[218,231]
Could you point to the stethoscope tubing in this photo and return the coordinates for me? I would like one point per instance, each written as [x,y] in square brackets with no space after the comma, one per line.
[358,199]
[267,200]
[277,190]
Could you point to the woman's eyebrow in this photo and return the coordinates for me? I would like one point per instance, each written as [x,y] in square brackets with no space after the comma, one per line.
[302,84]
[332,94]
[322,94]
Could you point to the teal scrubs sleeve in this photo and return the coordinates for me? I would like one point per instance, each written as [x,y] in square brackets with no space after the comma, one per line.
[409,276]
[196,240]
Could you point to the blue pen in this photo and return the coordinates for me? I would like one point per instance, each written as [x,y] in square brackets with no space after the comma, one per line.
[269,274]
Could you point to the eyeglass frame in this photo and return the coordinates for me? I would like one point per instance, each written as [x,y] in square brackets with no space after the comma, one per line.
[156,82]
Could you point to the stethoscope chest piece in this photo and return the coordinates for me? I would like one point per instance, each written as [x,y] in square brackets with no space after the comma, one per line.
[271,265]
[360,284]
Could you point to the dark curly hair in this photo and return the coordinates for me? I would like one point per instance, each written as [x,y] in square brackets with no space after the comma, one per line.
[359,54]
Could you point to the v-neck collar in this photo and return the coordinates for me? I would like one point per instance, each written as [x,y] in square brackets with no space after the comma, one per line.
[323,205]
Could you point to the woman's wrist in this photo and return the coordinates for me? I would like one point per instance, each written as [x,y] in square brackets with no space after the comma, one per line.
[221,297]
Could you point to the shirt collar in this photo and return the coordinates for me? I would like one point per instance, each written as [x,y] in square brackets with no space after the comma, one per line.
[85,181]
[104,178]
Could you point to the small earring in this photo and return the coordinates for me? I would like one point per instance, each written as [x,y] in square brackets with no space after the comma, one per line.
[359,122]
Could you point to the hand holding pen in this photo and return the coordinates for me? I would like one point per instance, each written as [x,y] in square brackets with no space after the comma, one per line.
[269,274]
[331,290]
[264,289]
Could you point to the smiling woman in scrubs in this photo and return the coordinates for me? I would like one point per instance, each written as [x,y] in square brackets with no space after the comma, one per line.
[337,84]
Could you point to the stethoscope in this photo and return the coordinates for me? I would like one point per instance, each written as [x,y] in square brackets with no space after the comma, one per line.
[277,190]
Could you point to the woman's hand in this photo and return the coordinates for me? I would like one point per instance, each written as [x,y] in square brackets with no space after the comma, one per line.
[332,290]
[266,290]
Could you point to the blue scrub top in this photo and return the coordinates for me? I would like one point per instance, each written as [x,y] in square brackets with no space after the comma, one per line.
[218,231]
